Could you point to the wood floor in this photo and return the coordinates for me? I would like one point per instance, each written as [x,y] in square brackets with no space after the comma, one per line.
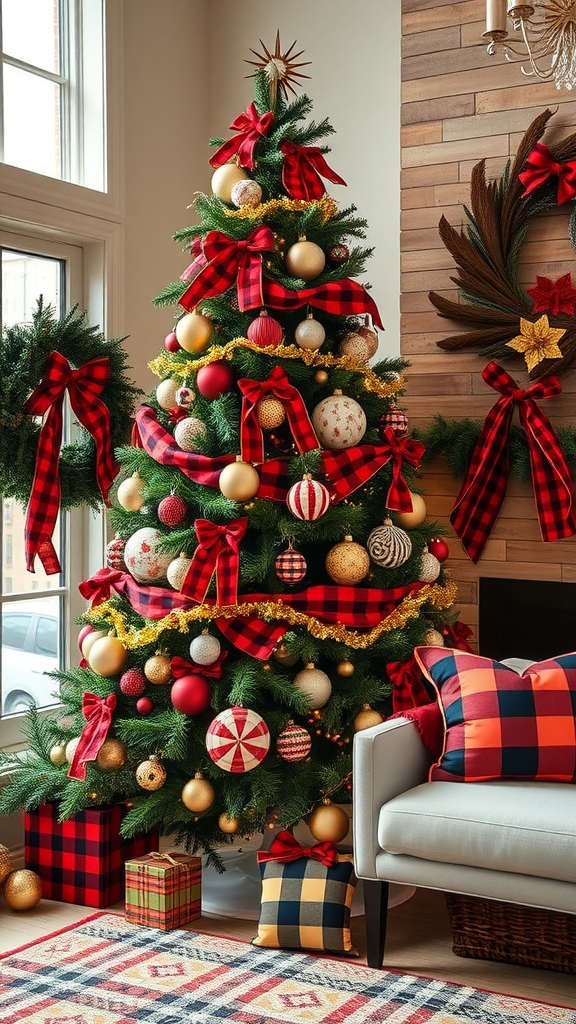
[419,942]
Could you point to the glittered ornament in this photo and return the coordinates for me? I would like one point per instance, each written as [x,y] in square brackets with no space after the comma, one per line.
[198,795]
[395,419]
[215,379]
[115,553]
[270,413]
[433,638]
[171,343]
[389,546]
[308,499]
[112,755]
[429,567]
[347,563]
[366,718]
[246,193]
[294,742]
[265,330]
[144,706]
[329,823]
[345,669]
[185,397]
[22,889]
[371,339]
[224,179]
[338,254]
[205,649]
[239,481]
[227,824]
[107,656]
[158,670]
[188,432]
[290,566]
[355,346]
[238,740]
[172,510]
[132,682]
[305,260]
[191,694]
[409,520]
[439,548]
[151,775]
[281,655]
[339,421]
[5,864]
[166,393]
[144,559]
[309,334]
[177,571]
[71,748]
[130,493]
[194,333]
[57,756]
[315,684]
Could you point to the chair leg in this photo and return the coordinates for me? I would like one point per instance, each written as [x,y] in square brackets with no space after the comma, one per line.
[375,913]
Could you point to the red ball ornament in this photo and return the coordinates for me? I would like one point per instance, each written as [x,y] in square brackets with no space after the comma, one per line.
[144,706]
[394,418]
[115,554]
[215,379]
[191,694]
[439,548]
[338,254]
[265,330]
[290,566]
[172,510]
[171,343]
[132,682]
[308,499]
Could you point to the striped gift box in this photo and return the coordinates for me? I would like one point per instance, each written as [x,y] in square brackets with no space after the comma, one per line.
[163,890]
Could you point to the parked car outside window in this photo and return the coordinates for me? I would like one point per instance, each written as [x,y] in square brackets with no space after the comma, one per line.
[29,650]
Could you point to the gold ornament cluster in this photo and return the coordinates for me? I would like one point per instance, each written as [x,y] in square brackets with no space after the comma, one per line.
[22,889]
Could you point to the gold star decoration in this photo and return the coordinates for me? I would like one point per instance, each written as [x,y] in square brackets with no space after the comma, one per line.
[537,341]
[279,68]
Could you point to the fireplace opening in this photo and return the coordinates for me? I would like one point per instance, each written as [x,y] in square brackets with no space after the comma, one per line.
[533,619]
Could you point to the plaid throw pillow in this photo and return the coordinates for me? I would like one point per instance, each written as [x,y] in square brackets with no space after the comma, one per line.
[306,905]
[501,725]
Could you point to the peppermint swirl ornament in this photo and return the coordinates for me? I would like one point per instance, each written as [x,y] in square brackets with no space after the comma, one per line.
[388,546]
[238,740]
[294,742]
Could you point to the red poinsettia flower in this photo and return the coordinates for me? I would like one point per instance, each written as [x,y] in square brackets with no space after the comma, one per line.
[553,297]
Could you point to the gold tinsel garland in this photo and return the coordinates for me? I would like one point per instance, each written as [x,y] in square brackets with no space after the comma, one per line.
[440,597]
[327,206]
[164,365]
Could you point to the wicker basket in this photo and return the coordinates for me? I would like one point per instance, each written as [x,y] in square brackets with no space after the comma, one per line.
[491,930]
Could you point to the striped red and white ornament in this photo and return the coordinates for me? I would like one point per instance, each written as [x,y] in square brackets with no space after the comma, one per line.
[265,330]
[308,499]
[238,740]
[294,742]
[394,418]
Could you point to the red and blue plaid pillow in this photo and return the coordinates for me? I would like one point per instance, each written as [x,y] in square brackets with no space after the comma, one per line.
[501,725]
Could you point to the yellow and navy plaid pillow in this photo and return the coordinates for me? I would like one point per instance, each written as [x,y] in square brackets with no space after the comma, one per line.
[306,905]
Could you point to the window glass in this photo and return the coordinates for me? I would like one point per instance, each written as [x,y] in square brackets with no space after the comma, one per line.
[46,636]
[31,122]
[30,32]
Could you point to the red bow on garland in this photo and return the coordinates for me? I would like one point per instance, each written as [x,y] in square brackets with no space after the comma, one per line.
[97,588]
[284,848]
[277,386]
[217,551]
[84,386]
[402,449]
[182,667]
[541,165]
[478,504]
[224,261]
[98,714]
[250,129]
[301,171]
[340,298]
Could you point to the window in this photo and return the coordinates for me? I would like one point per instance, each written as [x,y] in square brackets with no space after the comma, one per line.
[51,85]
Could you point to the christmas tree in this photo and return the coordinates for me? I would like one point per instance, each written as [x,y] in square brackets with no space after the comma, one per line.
[272,568]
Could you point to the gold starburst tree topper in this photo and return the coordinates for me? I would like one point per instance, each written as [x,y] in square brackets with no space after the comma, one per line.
[280,68]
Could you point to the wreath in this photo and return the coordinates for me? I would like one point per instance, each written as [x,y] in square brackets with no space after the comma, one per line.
[500,315]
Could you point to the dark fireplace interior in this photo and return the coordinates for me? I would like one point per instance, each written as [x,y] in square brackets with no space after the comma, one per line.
[533,619]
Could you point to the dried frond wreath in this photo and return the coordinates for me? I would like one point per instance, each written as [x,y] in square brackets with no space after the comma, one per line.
[487,253]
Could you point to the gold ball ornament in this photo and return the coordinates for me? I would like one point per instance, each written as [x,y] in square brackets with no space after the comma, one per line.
[194,333]
[157,670]
[321,377]
[371,339]
[348,562]
[107,656]
[270,413]
[281,655]
[433,638]
[345,669]
[356,346]
[57,755]
[366,718]
[328,823]
[315,684]
[112,754]
[22,889]
[90,639]
[166,393]
[409,520]
[227,824]
[309,334]
[71,748]
[130,493]
[305,260]
[239,481]
[198,795]
[224,179]
[5,864]
[151,775]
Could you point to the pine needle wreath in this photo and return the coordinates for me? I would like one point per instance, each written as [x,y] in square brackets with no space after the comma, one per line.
[487,254]
[24,351]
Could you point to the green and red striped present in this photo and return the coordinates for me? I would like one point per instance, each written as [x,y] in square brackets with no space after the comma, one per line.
[163,890]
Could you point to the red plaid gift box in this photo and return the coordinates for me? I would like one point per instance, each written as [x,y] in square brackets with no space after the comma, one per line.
[163,890]
[82,860]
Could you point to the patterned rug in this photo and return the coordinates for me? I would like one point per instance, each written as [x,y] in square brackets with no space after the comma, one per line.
[106,971]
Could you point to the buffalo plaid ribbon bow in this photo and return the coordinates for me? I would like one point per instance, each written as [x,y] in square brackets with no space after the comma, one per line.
[98,714]
[285,848]
[222,262]
[276,386]
[218,551]
[301,171]
[402,449]
[84,386]
[250,129]
[340,298]
[481,496]
[541,166]
[182,667]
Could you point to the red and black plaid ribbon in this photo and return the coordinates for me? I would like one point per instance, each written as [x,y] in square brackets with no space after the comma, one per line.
[84,387]
[401,449]
[285,848]
[182,667]
[478,504]
[408,689]
[225,261]
[301,171]
[98,714]
[458,634]
[218,551]
[202,469]
[250,129]
[276,386]
[341,298]
[541,166]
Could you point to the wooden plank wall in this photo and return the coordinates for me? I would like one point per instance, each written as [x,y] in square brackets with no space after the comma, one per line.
[459,106]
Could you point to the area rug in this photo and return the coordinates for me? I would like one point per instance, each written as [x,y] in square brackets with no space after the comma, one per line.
[106,971]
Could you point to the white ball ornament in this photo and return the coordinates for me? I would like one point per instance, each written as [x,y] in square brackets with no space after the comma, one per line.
[166,393]
[205,649]
[389,546]
[177,571]
[246,193]
[308,499]
[188,432]
[238,740]
[434,638]
[144,560]
[309,334]
[130,493]
[70,748]
[429,567]
[315,684]
[339,421]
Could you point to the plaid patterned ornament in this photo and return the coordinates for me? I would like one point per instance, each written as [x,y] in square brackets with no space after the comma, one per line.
[395,419]
[290,566]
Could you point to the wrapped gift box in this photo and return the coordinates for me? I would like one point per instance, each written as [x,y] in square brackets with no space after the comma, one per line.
[163,890]
[81,860]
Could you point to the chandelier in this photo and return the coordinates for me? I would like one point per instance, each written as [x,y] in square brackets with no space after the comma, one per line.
[546,29]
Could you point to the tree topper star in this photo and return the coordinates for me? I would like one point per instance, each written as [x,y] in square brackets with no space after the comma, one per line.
[279,68]
[537,341]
